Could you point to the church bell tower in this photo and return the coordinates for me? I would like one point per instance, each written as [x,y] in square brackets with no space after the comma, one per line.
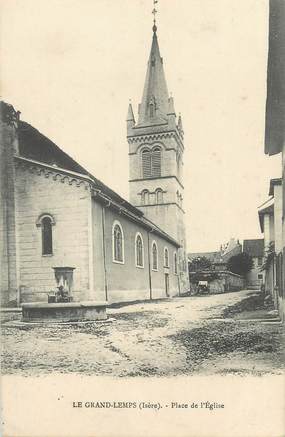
[156,147]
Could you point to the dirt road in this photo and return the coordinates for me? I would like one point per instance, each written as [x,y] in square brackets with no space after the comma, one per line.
[189,335]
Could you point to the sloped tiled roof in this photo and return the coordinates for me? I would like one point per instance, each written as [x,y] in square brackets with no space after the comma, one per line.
[254,248]
[34,145]
[37,147]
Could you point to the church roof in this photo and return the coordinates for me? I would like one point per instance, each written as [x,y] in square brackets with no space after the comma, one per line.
[36,147]
[155,91]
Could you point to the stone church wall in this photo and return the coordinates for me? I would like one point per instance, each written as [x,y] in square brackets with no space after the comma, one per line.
[127,282]
[38,193]
[8,277]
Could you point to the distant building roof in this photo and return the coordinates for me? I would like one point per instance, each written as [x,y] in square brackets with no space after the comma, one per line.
[266,208]
[214,257]
[233,247]
[254,248]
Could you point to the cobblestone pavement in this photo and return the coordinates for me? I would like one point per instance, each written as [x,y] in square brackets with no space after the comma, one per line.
[164,338]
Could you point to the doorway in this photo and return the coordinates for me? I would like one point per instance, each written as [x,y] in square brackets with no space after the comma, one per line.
[166,277]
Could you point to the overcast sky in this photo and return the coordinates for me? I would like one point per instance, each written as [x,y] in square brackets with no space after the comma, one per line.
[71,66]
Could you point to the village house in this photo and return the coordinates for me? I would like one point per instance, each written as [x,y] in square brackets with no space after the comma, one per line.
[56,215]
[219,277]
[270,218]
[219,258]
[275,117]
[255,249]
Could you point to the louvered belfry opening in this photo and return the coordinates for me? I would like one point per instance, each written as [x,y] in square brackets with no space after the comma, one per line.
[156,162]
[151,163]
[146,163]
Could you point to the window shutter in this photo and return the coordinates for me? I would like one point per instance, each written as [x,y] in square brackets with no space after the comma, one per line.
[156,162]
[146,163]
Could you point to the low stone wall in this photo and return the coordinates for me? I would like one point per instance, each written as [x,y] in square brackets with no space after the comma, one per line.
[233,282]
[64,312]
[226,281]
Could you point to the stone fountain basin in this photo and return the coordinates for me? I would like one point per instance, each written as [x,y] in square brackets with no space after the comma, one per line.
[64,312]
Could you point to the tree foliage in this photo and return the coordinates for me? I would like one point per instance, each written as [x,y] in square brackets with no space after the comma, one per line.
[199,263]
[240,264]
[269,255]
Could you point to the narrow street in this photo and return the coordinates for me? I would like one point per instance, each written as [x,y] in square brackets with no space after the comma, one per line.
[214,334]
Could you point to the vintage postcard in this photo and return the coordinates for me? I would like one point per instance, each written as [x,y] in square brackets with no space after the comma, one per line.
[142,218]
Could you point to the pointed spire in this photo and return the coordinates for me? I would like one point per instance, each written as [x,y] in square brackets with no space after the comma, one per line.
[171,109]
[130,115]
[130,119]
[154,105]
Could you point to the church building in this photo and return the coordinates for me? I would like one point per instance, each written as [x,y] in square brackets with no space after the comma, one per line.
[156,149]
[56,215]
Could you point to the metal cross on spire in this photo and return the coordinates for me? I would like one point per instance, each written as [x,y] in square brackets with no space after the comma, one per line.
[154,12]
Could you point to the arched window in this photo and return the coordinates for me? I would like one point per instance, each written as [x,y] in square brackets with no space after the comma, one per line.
[46,236]
[139,251]
[156,162]
[118,243]
[159,195]
[145,197]
[151,162]
[166,257]
[175,263]
[46,223]
[154,256]
[146,163]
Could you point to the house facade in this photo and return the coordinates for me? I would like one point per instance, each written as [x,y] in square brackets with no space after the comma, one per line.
[275,115]
[270,218]
[255,249]
[54,214]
